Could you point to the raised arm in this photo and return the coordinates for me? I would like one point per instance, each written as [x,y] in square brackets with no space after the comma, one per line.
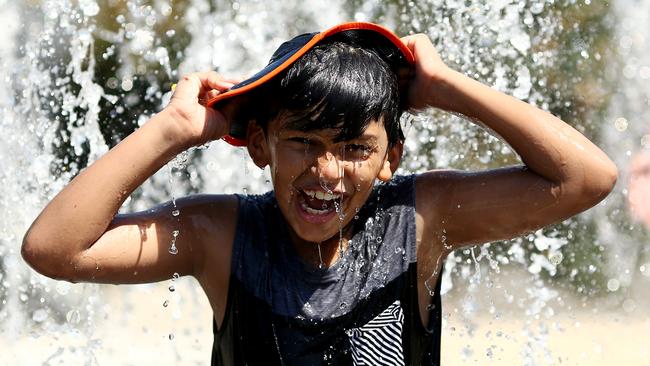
[564,173]
[78,237]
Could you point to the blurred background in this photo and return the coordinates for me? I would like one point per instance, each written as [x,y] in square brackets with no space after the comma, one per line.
[76,77]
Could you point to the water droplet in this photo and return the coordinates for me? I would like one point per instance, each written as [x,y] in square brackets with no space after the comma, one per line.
[23,297]
[63,288]
[176,213]
[431,306]
[629,305]
[165,303]
[343,305]
[39,315]
[175,233]
[89,8]
[175,276]
[171,336]
[591,268]
[556,258]
[613,284]
[537,8]
[173,250]
[172,288]
[73,316]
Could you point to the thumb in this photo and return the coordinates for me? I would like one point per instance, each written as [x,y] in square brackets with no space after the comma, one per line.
[216,125]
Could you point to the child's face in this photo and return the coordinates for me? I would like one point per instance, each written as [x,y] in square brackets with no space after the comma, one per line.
[321,184]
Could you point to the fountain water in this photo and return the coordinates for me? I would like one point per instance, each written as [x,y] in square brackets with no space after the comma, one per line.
[78,76]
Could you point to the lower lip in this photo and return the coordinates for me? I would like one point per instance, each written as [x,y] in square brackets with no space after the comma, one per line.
[314,218]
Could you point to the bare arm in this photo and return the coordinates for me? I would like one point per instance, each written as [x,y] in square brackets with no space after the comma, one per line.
[77,236]
[564,172]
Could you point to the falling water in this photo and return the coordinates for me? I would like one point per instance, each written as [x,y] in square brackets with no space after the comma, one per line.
[61,107]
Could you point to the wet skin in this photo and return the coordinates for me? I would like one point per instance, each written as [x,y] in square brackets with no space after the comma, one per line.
[320,183]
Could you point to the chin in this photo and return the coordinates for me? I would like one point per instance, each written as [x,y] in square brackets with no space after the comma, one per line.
[318,233]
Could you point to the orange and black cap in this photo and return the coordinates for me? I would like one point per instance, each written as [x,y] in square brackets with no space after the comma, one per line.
[366,35]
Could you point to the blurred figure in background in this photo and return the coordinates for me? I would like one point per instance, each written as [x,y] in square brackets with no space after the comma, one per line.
[639,184]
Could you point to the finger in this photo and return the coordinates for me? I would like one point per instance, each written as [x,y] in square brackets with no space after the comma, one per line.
[409,41]
[216,124]
[415,41]
[215,76]
[213,80]
[208,95]
[212,94]
[188,87]
[195,86]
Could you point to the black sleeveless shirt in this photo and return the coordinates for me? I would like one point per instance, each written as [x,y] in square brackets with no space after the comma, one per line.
[361,311]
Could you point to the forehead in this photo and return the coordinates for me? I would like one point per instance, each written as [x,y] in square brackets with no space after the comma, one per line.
[373,130]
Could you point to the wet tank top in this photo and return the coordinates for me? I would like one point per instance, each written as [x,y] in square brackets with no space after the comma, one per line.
[361,311]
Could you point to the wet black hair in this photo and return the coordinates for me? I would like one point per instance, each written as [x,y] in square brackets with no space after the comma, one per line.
[335,85]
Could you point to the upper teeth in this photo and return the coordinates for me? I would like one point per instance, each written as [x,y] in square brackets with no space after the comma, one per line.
[325,196]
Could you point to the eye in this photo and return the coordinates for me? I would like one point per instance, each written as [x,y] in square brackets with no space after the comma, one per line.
[357,147]
[357,151]
[300,140]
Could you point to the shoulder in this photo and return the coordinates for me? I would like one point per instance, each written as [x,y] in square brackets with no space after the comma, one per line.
[219,210]
[433,188]
[209,222]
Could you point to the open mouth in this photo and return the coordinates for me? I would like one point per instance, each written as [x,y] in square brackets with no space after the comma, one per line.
[317,203]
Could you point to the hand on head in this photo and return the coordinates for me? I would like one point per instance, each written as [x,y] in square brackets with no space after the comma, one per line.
[430,71]
[199,124]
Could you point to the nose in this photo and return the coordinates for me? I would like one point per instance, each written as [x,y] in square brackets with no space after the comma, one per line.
[330,169]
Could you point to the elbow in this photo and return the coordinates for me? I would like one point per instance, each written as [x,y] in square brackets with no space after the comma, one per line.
[36,254]
[613,177]
[30,252]
[600,184]
[608,179]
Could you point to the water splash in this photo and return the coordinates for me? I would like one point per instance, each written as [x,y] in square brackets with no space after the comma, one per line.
[172,247]
[321,264]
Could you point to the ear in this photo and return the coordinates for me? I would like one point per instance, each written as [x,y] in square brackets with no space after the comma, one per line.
[391,161]
[257,145]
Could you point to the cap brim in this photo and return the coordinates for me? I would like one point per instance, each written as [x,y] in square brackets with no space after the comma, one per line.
[277,66]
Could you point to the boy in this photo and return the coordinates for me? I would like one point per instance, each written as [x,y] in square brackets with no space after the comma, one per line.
[330,267]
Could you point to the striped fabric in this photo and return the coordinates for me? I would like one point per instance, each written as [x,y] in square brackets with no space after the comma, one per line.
[379,342]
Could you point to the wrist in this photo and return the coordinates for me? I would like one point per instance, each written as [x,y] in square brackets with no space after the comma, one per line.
[441,89]
[174,132]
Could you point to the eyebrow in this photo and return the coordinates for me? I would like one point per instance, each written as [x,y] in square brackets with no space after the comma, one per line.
[363,138]
[366,138]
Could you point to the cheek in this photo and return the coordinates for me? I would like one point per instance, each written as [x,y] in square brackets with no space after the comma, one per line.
[285,168]
[366,169]
[362,175]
